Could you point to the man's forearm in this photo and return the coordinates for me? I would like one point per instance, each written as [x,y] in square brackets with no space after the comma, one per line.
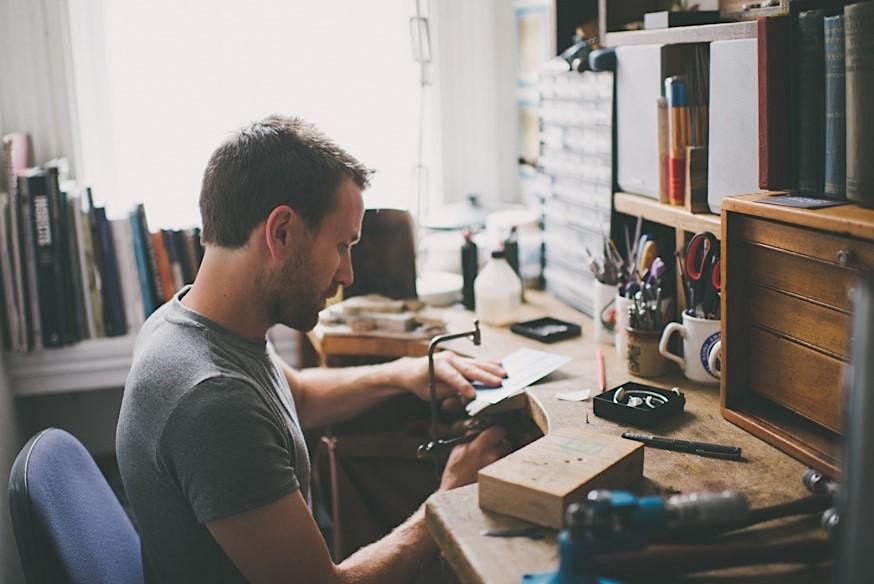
[325,396]
[395,558]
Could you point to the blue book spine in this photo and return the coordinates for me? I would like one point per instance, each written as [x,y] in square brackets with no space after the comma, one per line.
[149,301]
[835,108]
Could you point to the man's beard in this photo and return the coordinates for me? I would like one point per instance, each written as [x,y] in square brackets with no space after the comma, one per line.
[291,298]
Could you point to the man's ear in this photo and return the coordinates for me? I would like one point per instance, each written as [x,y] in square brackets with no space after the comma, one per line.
[283,228]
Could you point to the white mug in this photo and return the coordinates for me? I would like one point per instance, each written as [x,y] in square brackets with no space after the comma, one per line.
[603,312]
[714,360]
[700,346]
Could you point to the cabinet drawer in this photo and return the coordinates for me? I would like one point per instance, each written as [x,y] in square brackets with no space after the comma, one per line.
[801,276]
[848,252]
[796,377]
[803,321]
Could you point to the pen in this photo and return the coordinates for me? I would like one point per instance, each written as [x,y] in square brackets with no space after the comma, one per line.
[703,448]
[602,372]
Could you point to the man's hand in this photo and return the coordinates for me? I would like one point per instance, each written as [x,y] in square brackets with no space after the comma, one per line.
[453,373]
[465,460]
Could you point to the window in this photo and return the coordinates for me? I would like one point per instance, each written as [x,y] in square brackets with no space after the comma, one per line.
[160,84]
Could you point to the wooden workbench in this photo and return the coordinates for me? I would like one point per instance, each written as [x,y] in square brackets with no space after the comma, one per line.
[767,476]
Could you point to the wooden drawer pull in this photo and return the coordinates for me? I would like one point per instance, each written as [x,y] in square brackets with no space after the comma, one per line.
[845,257]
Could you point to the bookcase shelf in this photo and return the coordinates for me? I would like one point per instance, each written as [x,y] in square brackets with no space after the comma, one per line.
[676,217]
[684,34]
[93,365]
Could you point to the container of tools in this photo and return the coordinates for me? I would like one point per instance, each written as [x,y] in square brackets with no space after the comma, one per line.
[643,333]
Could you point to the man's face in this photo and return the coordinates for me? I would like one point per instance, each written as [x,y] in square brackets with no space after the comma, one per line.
[321,263]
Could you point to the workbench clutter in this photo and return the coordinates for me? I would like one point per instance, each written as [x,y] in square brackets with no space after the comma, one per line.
[377,315]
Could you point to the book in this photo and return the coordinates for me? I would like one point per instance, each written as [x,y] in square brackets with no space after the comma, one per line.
[172,247]
[810,96]
[859,39]
[72,320]
[774,105]
[18,156]
[127,269]
[156,290]
[30,298]
[162,261]
[77,296]
[46,267]
[113,302]
[91,285]
[835,107]
[10,316]
[141,256]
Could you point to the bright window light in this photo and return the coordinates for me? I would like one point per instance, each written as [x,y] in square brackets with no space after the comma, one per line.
[177,77]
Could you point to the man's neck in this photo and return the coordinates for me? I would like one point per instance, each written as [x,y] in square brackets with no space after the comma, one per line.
[224,291]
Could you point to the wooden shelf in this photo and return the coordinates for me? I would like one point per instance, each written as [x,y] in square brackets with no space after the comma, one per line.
[91,365]
[676,217]
[704,33]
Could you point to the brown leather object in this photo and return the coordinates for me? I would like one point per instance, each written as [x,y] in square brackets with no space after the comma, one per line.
[384,260]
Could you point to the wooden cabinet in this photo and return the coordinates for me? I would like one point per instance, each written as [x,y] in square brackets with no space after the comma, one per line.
[788,276]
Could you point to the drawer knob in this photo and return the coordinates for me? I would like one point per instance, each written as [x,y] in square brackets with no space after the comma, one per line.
[845,257]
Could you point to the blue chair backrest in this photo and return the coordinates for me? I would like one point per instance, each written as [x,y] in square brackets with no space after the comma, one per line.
[69,526]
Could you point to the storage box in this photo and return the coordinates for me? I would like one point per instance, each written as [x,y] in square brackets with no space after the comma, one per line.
[786,312]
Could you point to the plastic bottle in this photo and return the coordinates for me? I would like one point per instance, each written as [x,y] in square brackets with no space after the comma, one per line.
[497,289]
[469,269]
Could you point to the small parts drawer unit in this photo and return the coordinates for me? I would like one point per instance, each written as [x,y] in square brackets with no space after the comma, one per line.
[788,276]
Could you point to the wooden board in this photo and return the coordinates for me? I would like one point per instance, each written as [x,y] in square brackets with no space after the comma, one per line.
[538,482]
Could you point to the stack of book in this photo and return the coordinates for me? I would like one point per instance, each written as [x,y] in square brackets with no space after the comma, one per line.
[577,156]
[816,100]
[70,273]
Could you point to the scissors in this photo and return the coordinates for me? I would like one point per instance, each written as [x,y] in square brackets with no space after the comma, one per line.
[703,272]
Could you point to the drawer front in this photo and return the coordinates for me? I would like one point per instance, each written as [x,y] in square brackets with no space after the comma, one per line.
[796,377]
[801,276]
[847,252]
[810,323]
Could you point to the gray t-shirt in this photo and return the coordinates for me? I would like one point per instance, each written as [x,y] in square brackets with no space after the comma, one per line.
[208,429]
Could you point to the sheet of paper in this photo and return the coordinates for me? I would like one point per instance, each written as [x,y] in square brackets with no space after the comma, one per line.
[580,395]
[523,368]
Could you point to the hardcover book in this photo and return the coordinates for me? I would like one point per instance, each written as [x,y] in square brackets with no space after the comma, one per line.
[810,95]
[775,135]
[835,108]
[859,38]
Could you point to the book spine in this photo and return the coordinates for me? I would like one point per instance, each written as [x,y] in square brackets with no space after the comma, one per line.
[130,284]
[59,251]
[157,288]
[28,265]
[173,253]
[91,285]
[81,311]
[113,303]
[70,271]
[142,263]
[811,104]
[48,284]
[859,38]
[191,244]
[774,103]
[162,260]
[835,107]
[181,244]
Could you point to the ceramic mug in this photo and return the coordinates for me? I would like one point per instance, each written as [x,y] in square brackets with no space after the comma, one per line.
[642,356]
[603,311]
[714,360]
[700,347]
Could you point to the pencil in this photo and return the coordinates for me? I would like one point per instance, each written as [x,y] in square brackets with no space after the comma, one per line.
[602,373]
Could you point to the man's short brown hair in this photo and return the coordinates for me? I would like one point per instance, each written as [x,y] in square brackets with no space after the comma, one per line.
[277,161]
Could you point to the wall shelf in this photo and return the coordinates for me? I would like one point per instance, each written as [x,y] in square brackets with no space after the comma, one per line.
[676,217]
[704,33]
[92,365]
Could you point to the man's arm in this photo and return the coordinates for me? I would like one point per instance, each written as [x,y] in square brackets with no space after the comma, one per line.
[325,396]
[280,542]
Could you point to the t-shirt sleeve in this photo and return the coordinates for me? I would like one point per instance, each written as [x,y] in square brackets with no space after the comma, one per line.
[226,450]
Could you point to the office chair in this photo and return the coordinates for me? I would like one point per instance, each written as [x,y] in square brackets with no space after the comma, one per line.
[68,524]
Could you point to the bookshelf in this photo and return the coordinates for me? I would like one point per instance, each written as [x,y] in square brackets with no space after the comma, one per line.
[684,34]
[94,364]
[676,217]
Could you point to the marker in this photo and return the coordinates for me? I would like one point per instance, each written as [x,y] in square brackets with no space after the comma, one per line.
[702,448]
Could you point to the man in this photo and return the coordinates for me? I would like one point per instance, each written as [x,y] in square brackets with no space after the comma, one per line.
[209,438]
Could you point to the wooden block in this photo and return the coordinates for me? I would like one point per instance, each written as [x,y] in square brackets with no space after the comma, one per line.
[538,482]
[696,180]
